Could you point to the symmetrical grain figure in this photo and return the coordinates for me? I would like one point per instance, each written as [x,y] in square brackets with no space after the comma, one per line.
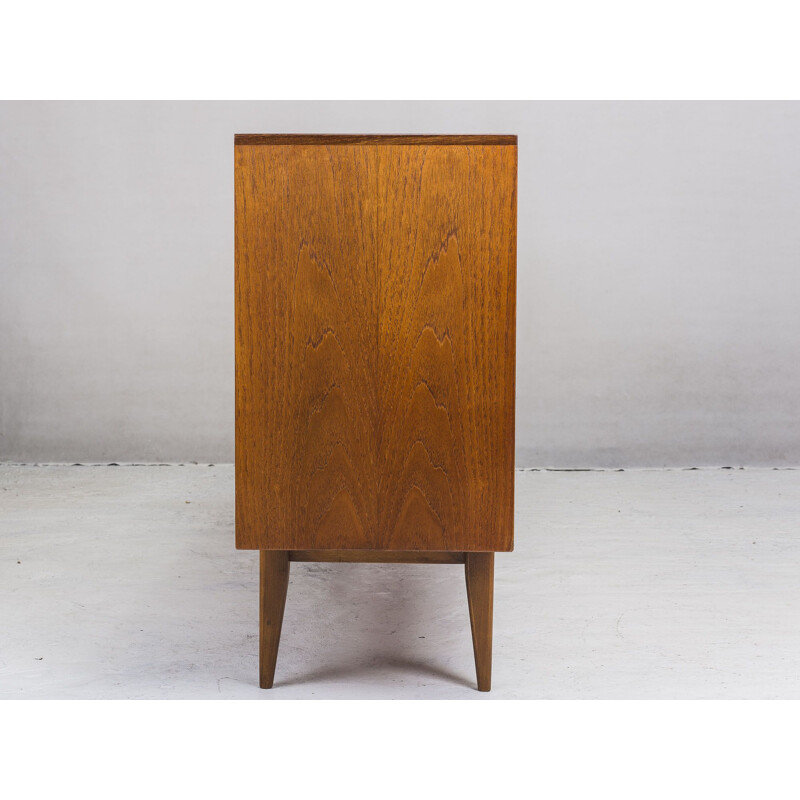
[375,314]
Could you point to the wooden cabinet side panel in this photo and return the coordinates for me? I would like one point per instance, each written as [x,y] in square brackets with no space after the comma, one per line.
[447,299]
[306,347]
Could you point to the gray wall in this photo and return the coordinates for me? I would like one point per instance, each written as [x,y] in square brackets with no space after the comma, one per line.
[659,276]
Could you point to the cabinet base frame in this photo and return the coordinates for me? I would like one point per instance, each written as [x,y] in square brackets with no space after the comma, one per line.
[274,582]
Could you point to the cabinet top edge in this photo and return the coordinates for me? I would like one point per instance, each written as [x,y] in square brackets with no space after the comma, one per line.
[335,138]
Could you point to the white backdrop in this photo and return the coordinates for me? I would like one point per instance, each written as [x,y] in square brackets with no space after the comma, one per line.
[658,283]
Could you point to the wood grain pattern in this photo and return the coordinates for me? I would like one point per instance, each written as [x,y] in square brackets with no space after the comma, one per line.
[274,582]
[306,347]
[381,139]
[446,277]
[375,291]
[479,571]
[377,556]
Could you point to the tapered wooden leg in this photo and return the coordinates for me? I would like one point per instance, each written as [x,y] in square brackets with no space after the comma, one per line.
[274,583]
[479,569]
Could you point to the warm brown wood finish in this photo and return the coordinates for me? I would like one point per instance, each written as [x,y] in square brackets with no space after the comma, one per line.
[306,347]
[338,138]
[479,570]
[375,290]
[274,583]
[375,358]
[446,274]
[377,556]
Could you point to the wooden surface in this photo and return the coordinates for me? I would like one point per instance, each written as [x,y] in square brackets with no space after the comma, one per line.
[375,291]
[306,348]
[479,571]
[380,139]
[446,273]
[378,556]
[273,585]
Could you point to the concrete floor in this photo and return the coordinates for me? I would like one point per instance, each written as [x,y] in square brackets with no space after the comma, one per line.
[123,582]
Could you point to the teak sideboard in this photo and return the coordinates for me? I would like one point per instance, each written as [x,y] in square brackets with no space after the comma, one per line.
[375,358]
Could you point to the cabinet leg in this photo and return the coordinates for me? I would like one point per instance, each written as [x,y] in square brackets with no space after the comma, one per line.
[479,569]
[274,583]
